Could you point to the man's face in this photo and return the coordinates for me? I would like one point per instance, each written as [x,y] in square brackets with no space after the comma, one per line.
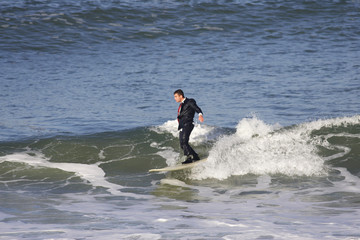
[178,98]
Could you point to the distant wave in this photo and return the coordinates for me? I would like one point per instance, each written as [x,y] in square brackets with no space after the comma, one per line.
[59,25]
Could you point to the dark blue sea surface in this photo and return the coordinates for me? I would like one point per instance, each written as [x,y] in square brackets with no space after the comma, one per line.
[92,66]
[87,108]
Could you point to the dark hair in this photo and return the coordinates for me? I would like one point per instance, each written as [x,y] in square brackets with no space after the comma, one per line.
[179,92]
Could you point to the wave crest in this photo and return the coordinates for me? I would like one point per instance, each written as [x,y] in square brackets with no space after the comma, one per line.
[259,148]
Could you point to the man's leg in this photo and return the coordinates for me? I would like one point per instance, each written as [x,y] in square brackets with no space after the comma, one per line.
[184,143]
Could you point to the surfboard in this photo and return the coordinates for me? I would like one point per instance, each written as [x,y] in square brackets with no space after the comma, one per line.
[178,167]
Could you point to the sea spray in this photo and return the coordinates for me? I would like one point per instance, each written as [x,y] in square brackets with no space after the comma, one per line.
[200,133]
[257,148]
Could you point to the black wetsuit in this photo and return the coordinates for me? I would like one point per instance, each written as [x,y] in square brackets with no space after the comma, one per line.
[186,125]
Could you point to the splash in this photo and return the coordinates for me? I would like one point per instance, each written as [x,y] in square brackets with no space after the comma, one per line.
[201,132]
[259,148]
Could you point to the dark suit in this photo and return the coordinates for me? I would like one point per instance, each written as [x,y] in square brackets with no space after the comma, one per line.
[186,125]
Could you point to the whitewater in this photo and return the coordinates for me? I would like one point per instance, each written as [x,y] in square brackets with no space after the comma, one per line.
[292,191]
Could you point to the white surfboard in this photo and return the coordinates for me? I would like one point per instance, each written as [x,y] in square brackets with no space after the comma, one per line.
[178,167]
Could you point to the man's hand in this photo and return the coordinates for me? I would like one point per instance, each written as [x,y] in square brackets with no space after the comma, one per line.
[201,118]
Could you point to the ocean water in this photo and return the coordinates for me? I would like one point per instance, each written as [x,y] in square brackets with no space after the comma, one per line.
[87,108]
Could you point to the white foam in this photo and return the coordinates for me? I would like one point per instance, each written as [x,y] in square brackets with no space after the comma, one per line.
[170,155]
[351,183]
[257,149]
[200,133]
[92,173]
[263,182]
[167,153]
[173,182]
[340,121]
[169,126]
[101,154]
[249,127]
[162,220]
[218,223]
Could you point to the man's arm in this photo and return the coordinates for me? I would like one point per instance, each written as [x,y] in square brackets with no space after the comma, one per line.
[198,110]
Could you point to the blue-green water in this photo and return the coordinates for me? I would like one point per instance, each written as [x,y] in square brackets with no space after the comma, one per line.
[86,109]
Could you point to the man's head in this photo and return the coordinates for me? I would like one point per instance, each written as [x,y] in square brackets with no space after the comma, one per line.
[179,95]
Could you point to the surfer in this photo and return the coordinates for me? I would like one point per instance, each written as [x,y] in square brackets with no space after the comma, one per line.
[186,113]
